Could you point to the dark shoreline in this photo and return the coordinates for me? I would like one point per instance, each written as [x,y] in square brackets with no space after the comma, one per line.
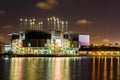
[59,55]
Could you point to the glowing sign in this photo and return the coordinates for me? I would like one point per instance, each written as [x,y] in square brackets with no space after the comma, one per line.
[56,40]
[84,40]
[20,43]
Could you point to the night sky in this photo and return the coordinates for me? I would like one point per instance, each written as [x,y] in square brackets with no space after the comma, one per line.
[99,18]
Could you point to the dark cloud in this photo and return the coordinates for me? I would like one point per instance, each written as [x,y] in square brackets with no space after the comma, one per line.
[2,12]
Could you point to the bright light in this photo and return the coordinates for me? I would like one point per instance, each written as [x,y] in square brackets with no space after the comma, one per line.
[84,40]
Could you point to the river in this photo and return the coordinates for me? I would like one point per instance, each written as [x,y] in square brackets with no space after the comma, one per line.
[60,68]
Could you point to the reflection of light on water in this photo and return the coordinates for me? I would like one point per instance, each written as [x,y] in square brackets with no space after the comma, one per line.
[98,71]
[6,58]
[31,68]
[6,68]
[58,69]
[66,71]
[105,69]
[49,67]
[118,68]
[93,69]
[61,69]
[16,69]
[108,68]
[111,68]
[32,58]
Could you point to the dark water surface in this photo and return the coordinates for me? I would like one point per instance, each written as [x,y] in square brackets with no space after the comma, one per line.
[60,68]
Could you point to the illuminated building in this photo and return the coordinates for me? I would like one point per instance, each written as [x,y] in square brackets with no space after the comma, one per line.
[35,38]
[84,40]
[7,48]
[30,41]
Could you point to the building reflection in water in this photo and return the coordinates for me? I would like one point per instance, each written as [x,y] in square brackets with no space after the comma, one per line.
[105,68]
[111,69]
[98,69]
[16,71]
[93,69]
[118,68]
[4,69]
[60,68]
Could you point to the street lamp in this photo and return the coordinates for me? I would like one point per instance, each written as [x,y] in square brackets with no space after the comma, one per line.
[21,24]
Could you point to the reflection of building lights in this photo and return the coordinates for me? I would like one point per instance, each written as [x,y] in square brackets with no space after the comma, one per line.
[111,69]
[93,69]
[58,69]
[98,70]
[118,68]
[105,69]
[15,62]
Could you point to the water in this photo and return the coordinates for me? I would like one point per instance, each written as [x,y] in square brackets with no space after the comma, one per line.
[60,68]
